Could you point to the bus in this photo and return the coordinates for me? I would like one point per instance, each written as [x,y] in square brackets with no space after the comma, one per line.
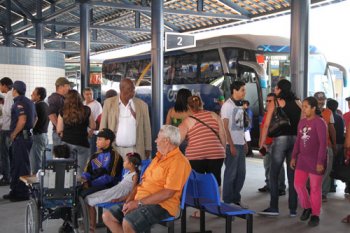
[207,70]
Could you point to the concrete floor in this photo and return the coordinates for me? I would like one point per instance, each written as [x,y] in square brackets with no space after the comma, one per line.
[12,214]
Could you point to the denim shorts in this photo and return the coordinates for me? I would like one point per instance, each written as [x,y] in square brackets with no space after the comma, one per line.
[142,218]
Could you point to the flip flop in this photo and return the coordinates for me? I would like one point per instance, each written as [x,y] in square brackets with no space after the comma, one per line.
[346,219]
[195,214]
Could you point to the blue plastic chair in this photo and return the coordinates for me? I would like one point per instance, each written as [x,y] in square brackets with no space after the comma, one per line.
[169,222]
[209,201]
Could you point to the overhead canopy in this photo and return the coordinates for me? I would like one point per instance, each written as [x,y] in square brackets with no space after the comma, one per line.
[121,23]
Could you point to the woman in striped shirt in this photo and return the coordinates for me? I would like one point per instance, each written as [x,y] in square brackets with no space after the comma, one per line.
[206,139]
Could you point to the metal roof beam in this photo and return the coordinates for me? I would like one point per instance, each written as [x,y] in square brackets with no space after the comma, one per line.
[48,39]
[171,26]
[235,7]
[50,17]
[169,11]
[101,27]
[23,9]
[200,5]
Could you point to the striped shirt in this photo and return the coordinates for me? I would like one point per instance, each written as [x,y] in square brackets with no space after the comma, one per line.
[202,141]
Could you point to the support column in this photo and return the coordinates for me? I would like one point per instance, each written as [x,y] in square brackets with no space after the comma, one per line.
[299,53]
[8,29]
[84,44]
[39,26]
[157,30]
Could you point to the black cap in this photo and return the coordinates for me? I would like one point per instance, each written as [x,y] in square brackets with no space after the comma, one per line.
[347,98]
[107,134]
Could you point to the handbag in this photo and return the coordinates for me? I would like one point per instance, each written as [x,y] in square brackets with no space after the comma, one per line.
[341,172]
[279,120]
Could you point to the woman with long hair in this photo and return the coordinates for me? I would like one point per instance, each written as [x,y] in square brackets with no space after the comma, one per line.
[72,126]
[180,110]
[282,146]
[309,159]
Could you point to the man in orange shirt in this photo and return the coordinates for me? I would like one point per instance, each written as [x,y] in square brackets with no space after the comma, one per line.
[158,195]
[327,116]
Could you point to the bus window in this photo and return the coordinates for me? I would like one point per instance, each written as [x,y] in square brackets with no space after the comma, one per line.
[186,69]
[211,67]
[115,71]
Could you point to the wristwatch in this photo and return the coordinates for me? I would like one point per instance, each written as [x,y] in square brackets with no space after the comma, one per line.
[140,203]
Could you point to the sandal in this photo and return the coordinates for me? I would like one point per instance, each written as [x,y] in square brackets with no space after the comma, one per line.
[346,219]
[195,214]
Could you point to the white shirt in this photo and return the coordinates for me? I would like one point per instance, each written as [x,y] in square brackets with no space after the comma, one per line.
[126,131]
[96,108]
[6,111]
[235,115]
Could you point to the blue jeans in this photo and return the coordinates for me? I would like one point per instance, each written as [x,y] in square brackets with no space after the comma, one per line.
[37,151]
[56,140]
[5,153]
[326,181]
[234,175]
[281,150]
[82,156]
[267,165]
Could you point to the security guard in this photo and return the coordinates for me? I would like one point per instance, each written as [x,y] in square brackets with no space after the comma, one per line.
[22,121]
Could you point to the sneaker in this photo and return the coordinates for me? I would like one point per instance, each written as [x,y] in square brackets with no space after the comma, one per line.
[242,205]
[292,214]
[269,212]
[305,215]
[314,221]
[264,189]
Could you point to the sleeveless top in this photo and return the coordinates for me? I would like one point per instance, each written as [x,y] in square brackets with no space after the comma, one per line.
[293,112]
[176,121]
[202,142]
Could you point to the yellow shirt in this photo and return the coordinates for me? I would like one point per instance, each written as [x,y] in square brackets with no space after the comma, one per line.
[171,173]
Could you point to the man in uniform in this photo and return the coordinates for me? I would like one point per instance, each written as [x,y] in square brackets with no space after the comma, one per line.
[22,121]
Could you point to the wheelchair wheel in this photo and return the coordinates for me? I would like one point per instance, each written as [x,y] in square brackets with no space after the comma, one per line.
[82,223]
[32,217]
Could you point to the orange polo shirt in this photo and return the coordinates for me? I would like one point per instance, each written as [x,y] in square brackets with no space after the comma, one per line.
[171,172]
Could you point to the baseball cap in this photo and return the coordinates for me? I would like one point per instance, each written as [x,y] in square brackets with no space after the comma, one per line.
[61,81]
[107,134]
[347,98]
[320,95]
[20,87]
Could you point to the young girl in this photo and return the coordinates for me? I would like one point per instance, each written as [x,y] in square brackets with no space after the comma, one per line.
[309,158]
[118,192]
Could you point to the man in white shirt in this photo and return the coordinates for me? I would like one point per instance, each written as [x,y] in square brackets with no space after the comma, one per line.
[128,117]
[96,111]
[5,88]
[232,114]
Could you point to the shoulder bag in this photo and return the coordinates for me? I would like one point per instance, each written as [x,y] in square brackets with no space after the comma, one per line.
[279,120]
[216,133]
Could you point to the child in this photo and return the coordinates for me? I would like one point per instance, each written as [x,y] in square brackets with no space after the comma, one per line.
[119,192]
[309,159]
[103,166]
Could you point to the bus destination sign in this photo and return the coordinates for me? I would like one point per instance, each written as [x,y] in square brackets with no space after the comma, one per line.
[176,41]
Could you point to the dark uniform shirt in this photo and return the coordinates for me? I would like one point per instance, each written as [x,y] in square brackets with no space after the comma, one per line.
[42,123]
[22,106]
[56,102]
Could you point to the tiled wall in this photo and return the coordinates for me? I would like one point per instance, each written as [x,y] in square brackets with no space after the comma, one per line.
[34,67]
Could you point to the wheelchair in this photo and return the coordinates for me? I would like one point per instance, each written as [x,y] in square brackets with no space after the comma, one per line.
[54,195]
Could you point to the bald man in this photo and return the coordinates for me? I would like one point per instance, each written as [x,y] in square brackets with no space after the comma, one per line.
[128,117]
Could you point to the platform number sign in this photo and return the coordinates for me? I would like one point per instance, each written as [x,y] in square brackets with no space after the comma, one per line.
[176,41]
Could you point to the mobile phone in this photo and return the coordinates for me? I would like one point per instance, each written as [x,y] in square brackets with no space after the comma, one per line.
[262,151]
